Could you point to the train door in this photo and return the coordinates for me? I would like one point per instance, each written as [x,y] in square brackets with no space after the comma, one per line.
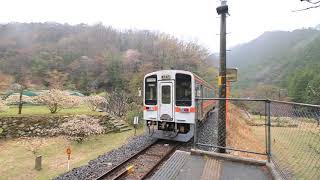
[166,101]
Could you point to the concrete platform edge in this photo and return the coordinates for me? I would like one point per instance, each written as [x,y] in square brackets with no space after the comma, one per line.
[273,171]
[229,157]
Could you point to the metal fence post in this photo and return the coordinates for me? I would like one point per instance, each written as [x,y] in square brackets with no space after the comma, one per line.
[265,127]
[195,133]
[269,129]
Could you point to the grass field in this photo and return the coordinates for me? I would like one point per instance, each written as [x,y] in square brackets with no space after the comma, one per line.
[18,163]
[295,142]
[296,149]
[43,110]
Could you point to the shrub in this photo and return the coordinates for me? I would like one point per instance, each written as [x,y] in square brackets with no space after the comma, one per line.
[33,144]
[93,102]
[79,127]
[133,110]
[56,100]
[14,99]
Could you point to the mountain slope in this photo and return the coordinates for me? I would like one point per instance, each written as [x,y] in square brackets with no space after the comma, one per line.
[91,58]
[276,58]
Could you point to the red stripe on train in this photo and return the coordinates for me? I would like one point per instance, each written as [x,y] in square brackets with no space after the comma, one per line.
[208,103]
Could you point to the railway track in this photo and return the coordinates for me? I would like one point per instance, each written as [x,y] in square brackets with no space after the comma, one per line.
[143,163]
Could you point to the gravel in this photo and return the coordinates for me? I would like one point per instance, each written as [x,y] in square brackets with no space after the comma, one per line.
[208,131]
[207,134]
[104,162]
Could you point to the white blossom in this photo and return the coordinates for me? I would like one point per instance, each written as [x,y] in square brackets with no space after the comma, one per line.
[93,102]
[56,100]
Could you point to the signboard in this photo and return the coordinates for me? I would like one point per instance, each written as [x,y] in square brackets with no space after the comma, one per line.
[151,79]
[232,74]
[68,151]
[136,120]
[219,80]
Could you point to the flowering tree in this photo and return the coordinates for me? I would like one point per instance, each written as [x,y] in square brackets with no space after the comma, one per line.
[79,127]
[15,99]
[93,102]
[56,100]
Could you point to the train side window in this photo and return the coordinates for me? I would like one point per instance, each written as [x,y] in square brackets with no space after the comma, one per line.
[204,92]
[183,90]
[151,90]
[198,91]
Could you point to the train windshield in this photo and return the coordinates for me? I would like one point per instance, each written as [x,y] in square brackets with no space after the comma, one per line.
[183,90]
[151,90]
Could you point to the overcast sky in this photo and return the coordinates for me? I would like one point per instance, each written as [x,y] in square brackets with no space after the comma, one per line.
[191,20]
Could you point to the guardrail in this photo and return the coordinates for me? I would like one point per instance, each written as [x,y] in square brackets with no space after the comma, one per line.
[286,134]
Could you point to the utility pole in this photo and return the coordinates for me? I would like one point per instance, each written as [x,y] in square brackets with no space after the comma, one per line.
[222,10]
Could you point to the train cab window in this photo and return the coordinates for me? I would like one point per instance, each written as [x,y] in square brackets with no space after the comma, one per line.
[151,90]
[166,94]
[183,90]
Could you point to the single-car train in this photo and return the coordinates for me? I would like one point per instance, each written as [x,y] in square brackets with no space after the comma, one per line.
[170,106]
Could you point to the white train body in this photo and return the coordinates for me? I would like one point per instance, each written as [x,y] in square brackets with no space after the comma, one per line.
[170,109]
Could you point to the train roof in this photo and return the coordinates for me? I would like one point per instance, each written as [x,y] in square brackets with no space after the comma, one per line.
[182,72]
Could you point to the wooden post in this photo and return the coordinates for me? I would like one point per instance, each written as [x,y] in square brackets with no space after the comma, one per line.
[20,100]
[38,163]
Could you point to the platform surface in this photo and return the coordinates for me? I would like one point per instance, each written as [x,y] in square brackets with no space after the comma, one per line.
[184,166]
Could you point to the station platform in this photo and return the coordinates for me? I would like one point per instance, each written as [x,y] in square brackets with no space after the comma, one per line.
[198,164]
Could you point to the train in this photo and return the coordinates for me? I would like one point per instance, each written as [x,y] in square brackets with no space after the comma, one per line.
[170,108]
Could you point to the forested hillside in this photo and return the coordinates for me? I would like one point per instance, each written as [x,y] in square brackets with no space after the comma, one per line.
[91,58]
[280,62]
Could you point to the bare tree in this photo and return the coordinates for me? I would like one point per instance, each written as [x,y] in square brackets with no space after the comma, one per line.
[32,145]
[314,4]
[118,102]
[18,88]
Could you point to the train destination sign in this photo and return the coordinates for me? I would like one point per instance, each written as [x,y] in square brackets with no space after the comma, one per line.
[166,76]
[151,79]
[232,74]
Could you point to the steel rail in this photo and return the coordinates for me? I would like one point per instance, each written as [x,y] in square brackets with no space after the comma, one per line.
[121,175]
[159,162]
[125,161]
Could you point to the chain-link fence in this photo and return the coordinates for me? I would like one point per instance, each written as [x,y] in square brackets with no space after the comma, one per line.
[286,134]
[242,133]
[295,139]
